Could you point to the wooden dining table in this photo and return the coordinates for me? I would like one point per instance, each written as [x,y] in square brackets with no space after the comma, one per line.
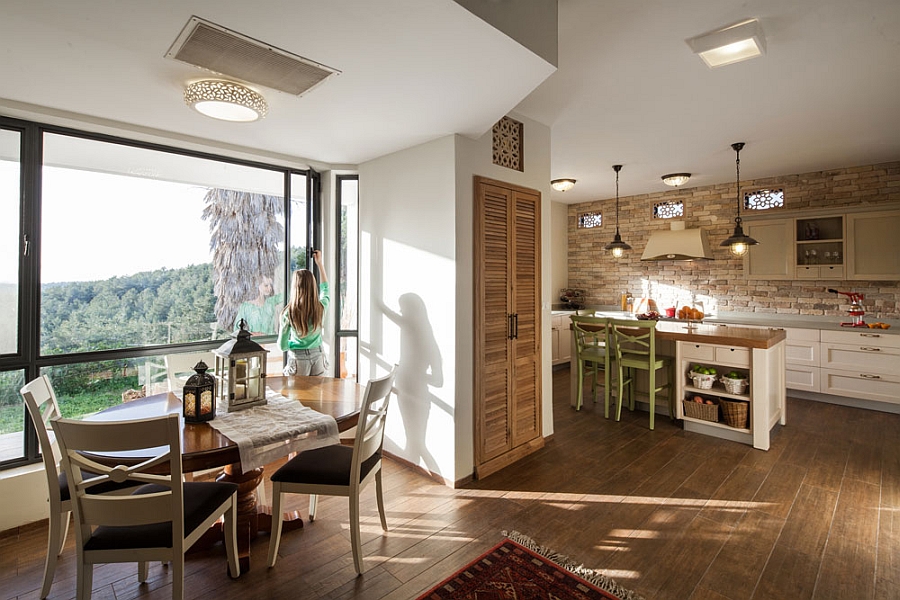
[204,448]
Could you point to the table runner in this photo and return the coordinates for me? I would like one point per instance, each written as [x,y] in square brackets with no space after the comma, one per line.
[270,431]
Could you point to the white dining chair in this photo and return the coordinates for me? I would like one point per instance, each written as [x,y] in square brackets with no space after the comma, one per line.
[161,519]
[339,470]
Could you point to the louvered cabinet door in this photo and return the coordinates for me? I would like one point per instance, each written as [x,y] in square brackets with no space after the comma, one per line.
[492,331]
[507,324]
[526,422]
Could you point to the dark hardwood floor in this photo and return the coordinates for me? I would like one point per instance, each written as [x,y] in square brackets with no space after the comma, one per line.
[671,515]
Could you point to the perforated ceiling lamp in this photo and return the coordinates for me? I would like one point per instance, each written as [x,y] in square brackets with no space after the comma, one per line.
[676,179]
[739,242]
[617,246]
[562,185]
[225,100]
[730,44]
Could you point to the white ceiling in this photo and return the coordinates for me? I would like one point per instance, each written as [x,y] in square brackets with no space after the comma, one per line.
[627,90]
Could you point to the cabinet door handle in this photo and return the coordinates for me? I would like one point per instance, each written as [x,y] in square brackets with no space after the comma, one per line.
[869,349]
[866,376]
[516,324]
[875,335]
[509,326]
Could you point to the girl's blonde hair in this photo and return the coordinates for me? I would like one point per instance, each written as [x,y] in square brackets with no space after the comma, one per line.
[304,310]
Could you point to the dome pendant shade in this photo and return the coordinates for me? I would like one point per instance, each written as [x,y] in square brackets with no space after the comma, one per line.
[562,185]
[676,179]
[225,100]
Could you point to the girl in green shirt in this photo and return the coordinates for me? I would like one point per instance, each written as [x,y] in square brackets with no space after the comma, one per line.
[300,334]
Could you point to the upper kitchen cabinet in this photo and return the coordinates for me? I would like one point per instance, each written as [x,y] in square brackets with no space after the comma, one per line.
[873,245]
[772,258]
[819,248]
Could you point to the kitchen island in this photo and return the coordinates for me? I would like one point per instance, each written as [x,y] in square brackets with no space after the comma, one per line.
[756,352]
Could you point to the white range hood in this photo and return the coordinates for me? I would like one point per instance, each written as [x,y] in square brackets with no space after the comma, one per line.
[678,243]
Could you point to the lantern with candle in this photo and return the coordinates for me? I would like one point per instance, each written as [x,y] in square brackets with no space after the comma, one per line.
[199,394]
[241,371]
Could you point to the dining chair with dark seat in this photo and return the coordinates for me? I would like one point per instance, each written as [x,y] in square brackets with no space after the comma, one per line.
[40,400]
[339,470]
[635,349]
[593,353]
[159,520]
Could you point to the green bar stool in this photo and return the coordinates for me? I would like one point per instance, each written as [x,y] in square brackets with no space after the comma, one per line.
[592,351]
[634,345]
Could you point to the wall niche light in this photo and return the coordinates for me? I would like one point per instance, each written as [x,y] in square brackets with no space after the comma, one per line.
[225,100]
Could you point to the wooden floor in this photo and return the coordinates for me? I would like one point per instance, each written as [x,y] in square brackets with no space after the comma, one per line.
[671,515]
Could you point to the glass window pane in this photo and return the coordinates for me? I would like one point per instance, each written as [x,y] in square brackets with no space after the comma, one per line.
[142,247]
[10,237]
[299,223]
[12,415]
[349,249]
[348,358]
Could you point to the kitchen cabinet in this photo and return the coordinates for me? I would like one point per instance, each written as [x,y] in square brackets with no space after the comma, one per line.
[861,364]
[873,245]
[764,364]
[773,258]
[561,338]
[507,328]
[801,358]
[819,248]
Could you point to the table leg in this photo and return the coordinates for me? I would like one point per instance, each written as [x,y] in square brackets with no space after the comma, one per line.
[247,509]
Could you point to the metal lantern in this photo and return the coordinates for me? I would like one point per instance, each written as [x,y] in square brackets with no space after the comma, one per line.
[199,395]
[241,371]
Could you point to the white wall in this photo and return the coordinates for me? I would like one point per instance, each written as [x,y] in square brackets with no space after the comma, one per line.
[559,248]
[23,496]
[408,275]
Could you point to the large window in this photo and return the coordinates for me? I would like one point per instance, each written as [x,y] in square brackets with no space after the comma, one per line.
[347,294]
[134,251]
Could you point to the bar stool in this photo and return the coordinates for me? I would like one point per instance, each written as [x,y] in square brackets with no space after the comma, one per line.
[592,351]
[635,349]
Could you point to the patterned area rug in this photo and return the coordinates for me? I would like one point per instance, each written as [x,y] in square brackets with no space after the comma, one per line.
[519,569]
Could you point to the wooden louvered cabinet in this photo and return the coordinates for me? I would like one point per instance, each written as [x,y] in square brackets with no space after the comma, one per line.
[507,340]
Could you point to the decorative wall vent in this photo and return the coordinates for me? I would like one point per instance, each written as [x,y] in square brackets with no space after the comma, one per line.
[764,199]
[220,50]
[669,209]
[590,219]
[507,146]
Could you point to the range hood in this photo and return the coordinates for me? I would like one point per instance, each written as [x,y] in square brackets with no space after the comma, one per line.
[678,243]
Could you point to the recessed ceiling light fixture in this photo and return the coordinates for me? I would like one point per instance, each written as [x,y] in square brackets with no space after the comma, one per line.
[676,179]
[730,44]
[562,185]
[225,100]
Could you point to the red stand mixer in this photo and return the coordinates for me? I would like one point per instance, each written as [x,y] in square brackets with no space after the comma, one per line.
[856,311]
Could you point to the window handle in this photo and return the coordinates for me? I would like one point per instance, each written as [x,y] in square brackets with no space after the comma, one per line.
[26,245]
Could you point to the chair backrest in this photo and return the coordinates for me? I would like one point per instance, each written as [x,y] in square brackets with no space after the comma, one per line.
[181,366]
[634,338]
[40,400]
[158,438]
[372,418]
[590,333]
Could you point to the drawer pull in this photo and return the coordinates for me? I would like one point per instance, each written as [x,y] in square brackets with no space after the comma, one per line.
[876,335]
[869,349]
[865,376]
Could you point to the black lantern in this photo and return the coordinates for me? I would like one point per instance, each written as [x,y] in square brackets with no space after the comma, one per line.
[241,371]
[199,395]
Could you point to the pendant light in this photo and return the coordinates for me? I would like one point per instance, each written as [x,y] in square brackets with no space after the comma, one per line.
[617,246]
[739,242]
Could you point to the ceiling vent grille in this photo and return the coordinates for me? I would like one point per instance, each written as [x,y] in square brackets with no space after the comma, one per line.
[220,50]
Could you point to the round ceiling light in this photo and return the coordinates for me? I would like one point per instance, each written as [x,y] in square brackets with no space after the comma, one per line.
[676,179]
[562,185]
[225,100]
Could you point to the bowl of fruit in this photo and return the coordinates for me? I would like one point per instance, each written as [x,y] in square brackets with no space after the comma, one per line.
[703,377]
[687,313]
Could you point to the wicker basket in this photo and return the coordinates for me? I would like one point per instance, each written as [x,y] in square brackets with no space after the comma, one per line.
[735,412]
[704,382]
[734,386]
[704,412]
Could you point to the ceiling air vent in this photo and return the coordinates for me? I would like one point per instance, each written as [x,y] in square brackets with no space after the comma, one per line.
[214,48]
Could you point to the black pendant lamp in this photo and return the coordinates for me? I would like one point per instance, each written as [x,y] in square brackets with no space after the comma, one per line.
[739,242]
[617,246]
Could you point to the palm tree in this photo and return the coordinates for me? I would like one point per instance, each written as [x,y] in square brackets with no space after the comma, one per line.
[245,235]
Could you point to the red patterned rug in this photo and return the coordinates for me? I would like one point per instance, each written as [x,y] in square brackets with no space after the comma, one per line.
[518,569]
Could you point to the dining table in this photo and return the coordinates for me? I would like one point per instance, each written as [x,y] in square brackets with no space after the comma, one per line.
[205,448]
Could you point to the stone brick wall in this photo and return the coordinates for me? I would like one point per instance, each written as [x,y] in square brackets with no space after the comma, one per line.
[721,283]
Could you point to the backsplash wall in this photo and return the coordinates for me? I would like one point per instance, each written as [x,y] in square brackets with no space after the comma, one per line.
[720,284]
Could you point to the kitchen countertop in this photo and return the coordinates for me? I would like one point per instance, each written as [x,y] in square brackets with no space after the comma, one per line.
[827,322]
